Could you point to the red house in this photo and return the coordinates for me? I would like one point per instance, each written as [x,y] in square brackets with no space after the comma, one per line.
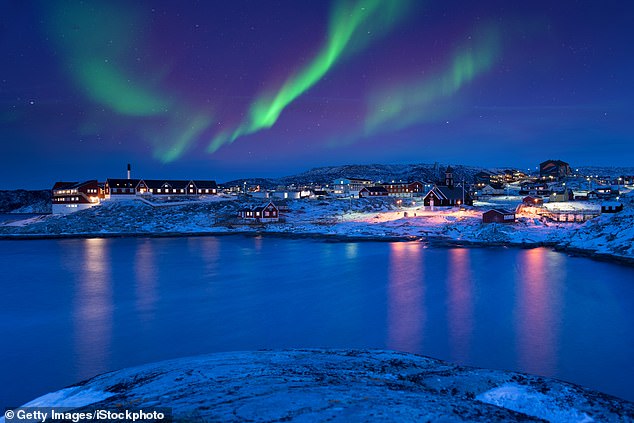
[70,197]
[266,213]
[498,216]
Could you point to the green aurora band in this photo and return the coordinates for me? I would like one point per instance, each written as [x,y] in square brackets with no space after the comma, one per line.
[415,101]
[95,40]
[352,26]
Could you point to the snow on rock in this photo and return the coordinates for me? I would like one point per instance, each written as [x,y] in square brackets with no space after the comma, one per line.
[73,397]
[342,385]
[70,397]
[526,400]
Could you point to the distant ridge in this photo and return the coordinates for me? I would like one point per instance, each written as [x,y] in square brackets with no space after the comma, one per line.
[375,172]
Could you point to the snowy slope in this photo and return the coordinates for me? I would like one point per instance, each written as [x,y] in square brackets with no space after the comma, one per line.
[380,219]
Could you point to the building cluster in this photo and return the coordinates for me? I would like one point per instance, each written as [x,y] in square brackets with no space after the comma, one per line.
[554,183]
[68,197]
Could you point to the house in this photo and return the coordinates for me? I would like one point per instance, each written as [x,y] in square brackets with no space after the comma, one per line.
[373,192]
[266,213]
[69,197]
[498,216]
[126,188]
[532,201]
[447,195]
[611,207]
[534,189]
[604,192]
[295,195]
[491,189]
[115,189]
[319,194]
[580,195]
[404,189]
[201,187]
[561,196]
[350,186]
[554,169]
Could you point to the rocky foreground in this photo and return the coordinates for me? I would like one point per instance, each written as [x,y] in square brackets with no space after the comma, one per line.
[337,385]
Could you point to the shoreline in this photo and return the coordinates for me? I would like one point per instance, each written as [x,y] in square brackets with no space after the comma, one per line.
[435,241]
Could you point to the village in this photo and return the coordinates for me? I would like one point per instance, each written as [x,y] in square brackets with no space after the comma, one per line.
[555,193]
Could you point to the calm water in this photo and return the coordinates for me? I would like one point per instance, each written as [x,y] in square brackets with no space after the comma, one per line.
[71,309]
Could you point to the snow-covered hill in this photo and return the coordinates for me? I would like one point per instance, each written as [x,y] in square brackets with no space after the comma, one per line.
[374,172]
[336,385]
[23,201]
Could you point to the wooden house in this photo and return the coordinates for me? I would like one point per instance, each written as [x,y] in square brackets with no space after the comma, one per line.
[266,213]
[69,197]
[604,193]
[366,192]
[491,189]
[120,188]
[561,196]
[447,195]
[404,189]
[498,216]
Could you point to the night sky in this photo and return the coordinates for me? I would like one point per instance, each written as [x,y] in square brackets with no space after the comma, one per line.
[225,89]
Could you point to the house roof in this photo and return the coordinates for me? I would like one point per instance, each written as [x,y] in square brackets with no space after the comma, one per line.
[261,208]
[64,185]
[72,185]
[453,193]
[122,183]
[500,211]
[375,189]
[205,184]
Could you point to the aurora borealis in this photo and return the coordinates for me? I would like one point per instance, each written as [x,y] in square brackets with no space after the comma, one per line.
[227,89]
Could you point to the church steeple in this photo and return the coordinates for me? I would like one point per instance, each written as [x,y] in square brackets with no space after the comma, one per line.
[449,177]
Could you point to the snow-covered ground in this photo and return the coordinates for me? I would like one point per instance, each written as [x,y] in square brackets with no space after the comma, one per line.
[337,385]
[609,235]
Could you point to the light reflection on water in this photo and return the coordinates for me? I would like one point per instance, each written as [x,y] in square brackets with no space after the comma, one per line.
[538,311]
[93,308]
[103,304]
[406,291]
[460,304]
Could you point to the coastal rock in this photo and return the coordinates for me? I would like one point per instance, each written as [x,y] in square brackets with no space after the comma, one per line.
[337,385]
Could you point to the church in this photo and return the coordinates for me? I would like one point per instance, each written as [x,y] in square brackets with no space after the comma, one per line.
[448,195]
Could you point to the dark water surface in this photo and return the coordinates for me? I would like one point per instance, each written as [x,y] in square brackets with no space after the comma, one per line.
[71,309]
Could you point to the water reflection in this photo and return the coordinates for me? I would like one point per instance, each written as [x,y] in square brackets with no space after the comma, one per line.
[93,308]
[460,304]
[209,251]
[146,279]
[538,311]
[406,315]
[351,251]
